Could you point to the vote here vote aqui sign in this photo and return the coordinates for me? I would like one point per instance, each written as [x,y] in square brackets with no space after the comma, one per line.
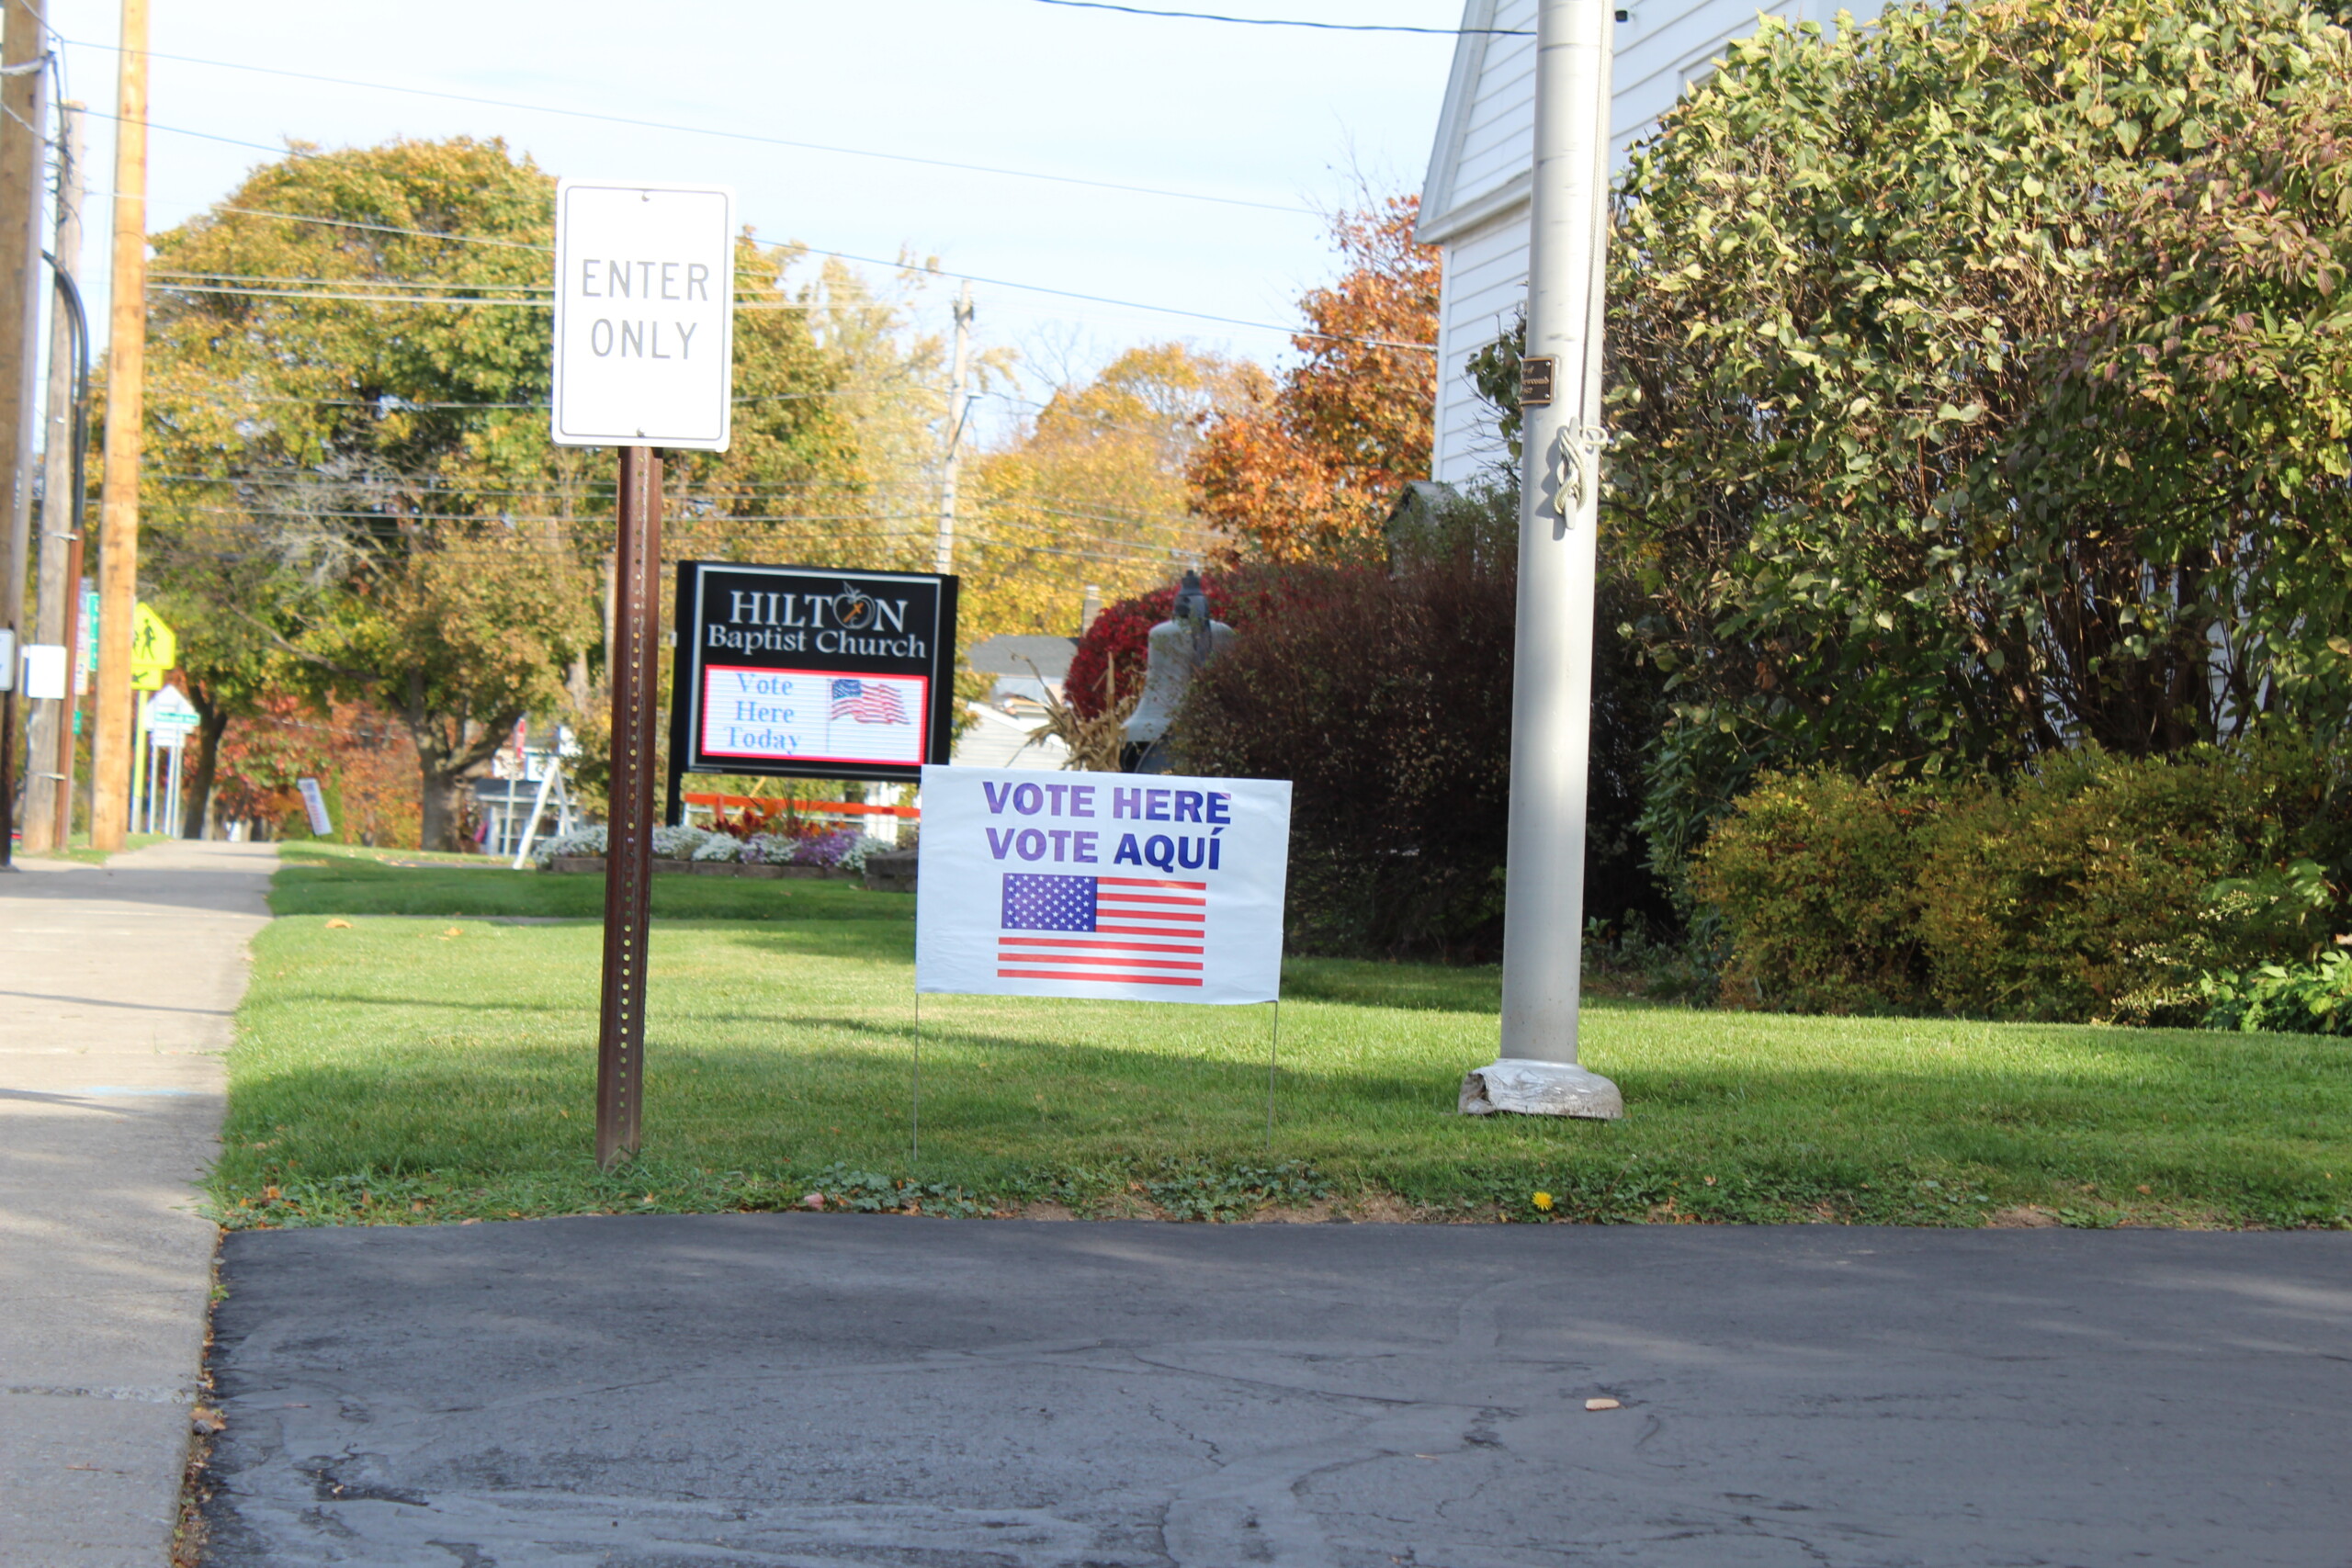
[1143,887]
[644,315]
[806,672]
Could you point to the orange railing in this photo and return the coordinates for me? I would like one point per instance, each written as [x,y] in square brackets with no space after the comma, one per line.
[766,807]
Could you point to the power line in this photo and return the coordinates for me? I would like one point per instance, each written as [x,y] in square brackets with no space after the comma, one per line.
[506,301]
[603,487]
[392,402]
[256,519]
[380,228]
[1281,22]
[1027,500]
[350,282]
[281,152]
[362,299]
[1124,304]
[518,517]
[901,264]
[699,130]
[175,537]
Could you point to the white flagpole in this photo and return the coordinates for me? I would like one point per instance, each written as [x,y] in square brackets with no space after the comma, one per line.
[1536,1070]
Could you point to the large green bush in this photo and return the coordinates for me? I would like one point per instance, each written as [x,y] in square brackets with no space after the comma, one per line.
[2092,887]
[2309,998]
[1816,877]
[2101,886]
[1986,376]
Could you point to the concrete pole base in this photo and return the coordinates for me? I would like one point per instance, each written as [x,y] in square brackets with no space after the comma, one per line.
[1539,1089]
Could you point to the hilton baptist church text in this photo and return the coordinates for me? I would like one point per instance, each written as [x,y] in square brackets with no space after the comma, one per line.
[817,622]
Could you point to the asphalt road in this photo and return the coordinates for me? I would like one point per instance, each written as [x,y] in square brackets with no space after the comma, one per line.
[819,1391]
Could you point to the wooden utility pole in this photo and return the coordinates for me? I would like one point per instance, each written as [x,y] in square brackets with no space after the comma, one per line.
[119,523]
[48,764]
[23,96]
[942,555]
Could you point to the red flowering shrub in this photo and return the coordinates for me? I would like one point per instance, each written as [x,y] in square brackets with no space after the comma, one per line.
[364,762]
[1121,633]
[262,756]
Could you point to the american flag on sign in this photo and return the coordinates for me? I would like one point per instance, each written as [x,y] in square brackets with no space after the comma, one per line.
[1124,930]
[868,702]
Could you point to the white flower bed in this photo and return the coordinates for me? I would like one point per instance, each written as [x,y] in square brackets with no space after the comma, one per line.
[579,841]
[844,851]
[680,842]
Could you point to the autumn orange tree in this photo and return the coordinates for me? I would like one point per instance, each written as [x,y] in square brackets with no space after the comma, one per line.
[1306,465]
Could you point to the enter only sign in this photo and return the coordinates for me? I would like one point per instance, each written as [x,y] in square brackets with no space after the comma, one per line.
[644,314]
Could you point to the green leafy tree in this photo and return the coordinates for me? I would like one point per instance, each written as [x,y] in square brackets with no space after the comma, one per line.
[1983,383]
[349,458]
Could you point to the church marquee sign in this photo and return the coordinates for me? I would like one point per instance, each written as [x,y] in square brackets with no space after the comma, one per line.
[805,673]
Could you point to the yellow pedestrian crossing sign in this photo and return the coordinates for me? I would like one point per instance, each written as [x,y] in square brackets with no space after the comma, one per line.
[155,650]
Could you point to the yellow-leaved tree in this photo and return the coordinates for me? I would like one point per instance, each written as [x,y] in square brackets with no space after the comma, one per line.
[1091,492]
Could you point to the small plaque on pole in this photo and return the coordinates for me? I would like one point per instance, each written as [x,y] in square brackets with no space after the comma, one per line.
[1535,381]
[644,315]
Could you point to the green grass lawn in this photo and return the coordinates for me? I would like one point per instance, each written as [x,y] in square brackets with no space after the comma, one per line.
[394,1068]
[331,879]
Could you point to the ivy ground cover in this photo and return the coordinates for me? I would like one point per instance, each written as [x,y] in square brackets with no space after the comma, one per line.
[409,1053]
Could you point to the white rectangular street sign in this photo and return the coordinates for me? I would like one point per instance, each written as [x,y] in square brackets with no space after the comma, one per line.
[1142,886]
[45,671]
[169,714]
[644,315]
[314,801]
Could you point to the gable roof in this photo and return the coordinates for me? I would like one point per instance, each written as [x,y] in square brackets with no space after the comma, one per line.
[1446,211]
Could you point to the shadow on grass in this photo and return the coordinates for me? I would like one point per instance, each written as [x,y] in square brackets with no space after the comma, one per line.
[998,1098]
[1420,987]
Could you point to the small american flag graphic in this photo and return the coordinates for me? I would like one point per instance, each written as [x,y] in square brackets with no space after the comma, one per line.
[867,702]
[1122,931]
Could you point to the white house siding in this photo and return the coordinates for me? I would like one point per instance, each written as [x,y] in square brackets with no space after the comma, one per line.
[1497,136]
[1475,203]
[1485,287]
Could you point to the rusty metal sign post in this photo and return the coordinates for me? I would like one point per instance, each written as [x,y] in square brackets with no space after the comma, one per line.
[644,351]
[628,832]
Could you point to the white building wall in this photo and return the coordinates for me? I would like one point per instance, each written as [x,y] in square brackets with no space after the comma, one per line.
[1475,202]
[1485,287]
[1497,136]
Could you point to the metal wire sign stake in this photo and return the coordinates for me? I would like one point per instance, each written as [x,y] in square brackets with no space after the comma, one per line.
[1139,887]
[644,353]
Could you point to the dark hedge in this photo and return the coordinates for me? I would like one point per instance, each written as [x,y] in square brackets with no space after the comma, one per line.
[1385,697]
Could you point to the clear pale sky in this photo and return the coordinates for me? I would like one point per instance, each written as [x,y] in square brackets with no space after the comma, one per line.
[1283,116]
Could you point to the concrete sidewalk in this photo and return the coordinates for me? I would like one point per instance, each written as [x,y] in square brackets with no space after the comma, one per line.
[117,987]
